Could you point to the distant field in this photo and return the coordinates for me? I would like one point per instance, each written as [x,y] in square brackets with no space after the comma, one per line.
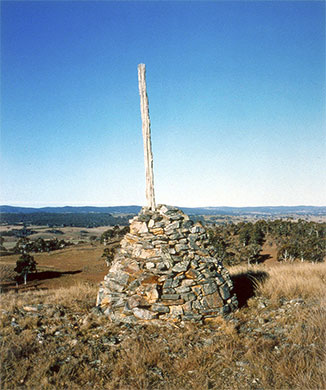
[72,234]
[61,268]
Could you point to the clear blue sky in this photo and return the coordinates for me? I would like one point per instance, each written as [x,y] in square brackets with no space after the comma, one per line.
[236,93]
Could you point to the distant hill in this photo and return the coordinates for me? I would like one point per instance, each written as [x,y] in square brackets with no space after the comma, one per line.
[71,209]
[268,210]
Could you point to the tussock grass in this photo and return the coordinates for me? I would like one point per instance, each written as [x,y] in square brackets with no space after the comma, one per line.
[276,340]
[291,281]
[80,296]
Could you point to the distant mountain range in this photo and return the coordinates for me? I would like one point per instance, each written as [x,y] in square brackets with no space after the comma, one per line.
[71,209]
[268,210]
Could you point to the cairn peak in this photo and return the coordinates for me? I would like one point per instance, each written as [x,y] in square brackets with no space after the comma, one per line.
[165,269]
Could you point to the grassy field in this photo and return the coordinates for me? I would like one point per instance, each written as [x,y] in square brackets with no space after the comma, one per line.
[52,338]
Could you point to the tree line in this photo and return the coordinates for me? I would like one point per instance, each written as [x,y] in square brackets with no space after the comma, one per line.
[64,219]
[242,242]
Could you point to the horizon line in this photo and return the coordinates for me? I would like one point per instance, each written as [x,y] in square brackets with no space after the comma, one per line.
[136,205]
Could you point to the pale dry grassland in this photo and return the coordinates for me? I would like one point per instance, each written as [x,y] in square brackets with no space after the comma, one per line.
[274,341]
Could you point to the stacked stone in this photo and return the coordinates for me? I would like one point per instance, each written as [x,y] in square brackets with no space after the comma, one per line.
[165,269]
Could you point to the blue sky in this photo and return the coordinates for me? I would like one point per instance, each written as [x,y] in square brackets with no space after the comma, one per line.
[236,94]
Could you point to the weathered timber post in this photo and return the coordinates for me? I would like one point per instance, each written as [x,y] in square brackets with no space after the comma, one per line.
[146,126]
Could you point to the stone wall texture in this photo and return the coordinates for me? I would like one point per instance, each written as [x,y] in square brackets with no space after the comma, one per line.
[165,269]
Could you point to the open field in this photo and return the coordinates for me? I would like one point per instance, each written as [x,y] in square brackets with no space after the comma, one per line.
[60,268]
[68,233]
[52,338]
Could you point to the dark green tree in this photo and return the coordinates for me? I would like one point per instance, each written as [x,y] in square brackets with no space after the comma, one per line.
[25,265]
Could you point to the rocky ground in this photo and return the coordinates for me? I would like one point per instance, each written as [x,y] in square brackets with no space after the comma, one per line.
[60,340]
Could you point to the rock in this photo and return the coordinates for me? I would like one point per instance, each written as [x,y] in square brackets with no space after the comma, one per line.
[209,288]
[160,308]
[181,267]
[225,292]
[32,308]
[143,314]
[176,311]
[170,296]
[152,295]
[181,247]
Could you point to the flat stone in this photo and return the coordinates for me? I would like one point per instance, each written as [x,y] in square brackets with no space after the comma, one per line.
[148,279]
[202,252]
[212,301]
[151,223]
[120,302]
[192,274]
[195,229]
[188,297]
[193,245]
[176,311]
[197,290]
[172,302]
[163,209]
[175,236]
[181,267]
[173,226]
[157,217]
[30,308]
[192,317]
[170,296]
[187,307]
[187,224]
[181,247]
[161,266]
[171,283]
[114,286]
[182,289]
[209,288]
[160,308]
[144,217]
[225,292]
[158,242]
[147,253]
[134,301]
[187,283]
[143,314]
[152,295]
[168,290]
[159,224]
[157,231]
[219,279]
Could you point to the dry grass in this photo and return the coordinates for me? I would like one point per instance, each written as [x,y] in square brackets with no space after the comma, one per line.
[291,281]
[276,341]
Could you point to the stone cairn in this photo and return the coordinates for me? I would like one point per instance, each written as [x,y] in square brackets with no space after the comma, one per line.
[165,269]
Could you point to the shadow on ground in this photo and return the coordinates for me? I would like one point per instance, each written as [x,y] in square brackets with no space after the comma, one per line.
[263,258]
[50,274]
[33,279]
[245,284]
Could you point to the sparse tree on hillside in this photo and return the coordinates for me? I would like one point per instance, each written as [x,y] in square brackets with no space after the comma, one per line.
[25,265]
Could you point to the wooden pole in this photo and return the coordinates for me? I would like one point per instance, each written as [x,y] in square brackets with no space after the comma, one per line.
[146,126]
